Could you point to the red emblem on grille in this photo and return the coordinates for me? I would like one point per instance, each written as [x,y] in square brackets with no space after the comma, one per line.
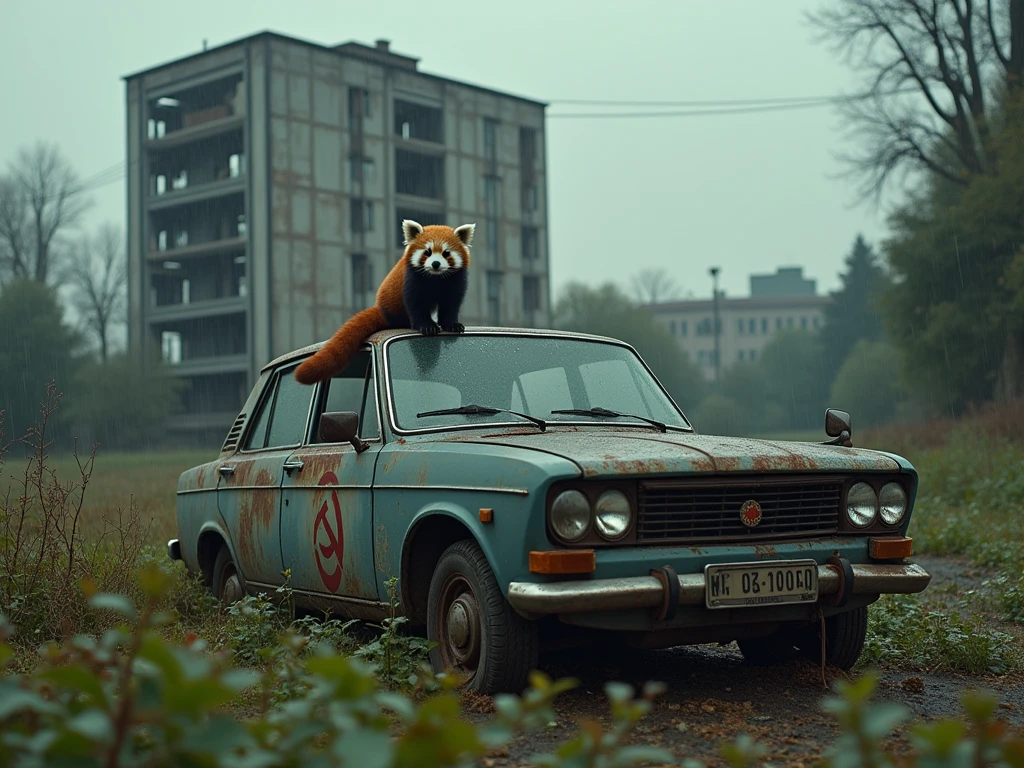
[750,513]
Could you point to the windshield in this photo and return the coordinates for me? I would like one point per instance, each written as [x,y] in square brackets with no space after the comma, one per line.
[533,375]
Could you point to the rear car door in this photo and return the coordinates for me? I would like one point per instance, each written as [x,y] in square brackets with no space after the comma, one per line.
[327,515]
[249,484]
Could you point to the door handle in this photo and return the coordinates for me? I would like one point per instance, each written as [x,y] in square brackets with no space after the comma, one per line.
[293,464]
[226,469]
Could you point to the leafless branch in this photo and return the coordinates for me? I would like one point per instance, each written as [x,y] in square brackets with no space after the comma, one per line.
[97,274]
[651,286]
[40,197]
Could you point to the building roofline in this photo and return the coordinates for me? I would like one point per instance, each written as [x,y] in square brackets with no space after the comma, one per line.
[332,50]
[767,302]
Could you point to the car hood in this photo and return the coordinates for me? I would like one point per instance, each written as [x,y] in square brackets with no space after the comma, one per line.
[613,453]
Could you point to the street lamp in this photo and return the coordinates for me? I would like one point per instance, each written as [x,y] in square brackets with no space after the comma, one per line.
[714,277]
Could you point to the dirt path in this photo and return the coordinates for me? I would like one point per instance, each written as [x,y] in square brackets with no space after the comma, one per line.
[713,696]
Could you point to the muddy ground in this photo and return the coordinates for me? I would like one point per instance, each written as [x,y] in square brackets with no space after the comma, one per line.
[713,696]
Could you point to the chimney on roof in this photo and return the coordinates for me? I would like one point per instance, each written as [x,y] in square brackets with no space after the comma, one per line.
[382,45]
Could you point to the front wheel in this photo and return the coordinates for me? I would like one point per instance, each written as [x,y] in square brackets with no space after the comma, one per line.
[845,634]
[477,634]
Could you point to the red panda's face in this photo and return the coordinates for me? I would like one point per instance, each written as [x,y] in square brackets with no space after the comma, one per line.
[437,249]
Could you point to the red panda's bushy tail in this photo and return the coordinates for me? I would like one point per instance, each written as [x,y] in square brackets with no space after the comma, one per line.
[335,354]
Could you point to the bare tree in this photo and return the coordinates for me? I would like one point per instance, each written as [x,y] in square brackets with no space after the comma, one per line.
[97,274]
[933,68]
[40,197]
[651,286]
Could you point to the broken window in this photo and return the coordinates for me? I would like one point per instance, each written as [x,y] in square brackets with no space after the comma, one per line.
[362,279]
[418,121]
[494,297]
[361,168]
[213,100]
[531,293]
[419,174]
[170,344]
[358,103]
[491,139]
[361,212]
[531,243]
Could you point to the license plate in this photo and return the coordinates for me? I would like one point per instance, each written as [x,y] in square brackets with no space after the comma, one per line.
[778,582]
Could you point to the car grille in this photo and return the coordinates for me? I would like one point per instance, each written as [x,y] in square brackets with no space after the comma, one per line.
[677,512]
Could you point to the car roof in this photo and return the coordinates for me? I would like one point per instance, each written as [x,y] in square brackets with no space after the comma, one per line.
[381,336]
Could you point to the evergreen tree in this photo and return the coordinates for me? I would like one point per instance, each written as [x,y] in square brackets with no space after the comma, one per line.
[853,314]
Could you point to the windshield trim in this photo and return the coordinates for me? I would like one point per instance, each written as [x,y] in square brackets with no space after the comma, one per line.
[517,422]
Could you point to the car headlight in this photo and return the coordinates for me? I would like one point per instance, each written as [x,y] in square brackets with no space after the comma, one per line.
[892,502]
[613,514]
[861,505]
[570,515]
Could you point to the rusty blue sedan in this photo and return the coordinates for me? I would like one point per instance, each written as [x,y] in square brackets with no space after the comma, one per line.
[532,488]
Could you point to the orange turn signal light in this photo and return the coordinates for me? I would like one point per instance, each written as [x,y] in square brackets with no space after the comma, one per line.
[563,561]
[890,549]
[486,515]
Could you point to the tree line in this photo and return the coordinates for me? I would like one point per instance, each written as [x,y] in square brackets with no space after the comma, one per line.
[49,260]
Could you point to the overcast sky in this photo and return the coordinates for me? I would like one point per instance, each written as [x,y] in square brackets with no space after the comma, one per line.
[746,192]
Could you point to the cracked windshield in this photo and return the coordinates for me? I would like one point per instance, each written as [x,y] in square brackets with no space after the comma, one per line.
[532,384]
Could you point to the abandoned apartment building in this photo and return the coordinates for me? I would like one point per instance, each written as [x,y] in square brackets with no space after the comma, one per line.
[267,181]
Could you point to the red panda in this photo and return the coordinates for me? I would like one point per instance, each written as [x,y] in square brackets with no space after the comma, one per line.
[430,275]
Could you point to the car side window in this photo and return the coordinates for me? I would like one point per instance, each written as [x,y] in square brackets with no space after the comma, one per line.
[352,390]
[291,410]
[258,434]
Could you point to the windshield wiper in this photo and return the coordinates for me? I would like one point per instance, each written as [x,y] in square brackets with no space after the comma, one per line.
[612,414]
[482,410]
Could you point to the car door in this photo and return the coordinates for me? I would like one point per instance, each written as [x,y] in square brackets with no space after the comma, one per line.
[327,516]
[249,483]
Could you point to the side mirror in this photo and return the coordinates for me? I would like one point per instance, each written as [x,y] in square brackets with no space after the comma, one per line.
[341,427]
[837,426]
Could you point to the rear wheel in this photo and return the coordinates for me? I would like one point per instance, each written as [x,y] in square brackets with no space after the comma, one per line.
[226,583]
[477,634]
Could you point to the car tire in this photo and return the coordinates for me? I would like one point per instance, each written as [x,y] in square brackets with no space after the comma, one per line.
[476,633]
[845,634]
[227,583]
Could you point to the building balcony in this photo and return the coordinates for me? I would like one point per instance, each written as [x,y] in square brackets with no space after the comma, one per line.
[211,248]
[197,309]
[196,194]
[203,366]
[204,130]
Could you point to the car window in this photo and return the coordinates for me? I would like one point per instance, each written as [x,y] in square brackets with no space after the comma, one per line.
[291,410]
[609,381]
[352,390]
[542,391]
[258,434]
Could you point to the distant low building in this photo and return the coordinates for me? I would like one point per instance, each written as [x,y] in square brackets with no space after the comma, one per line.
[777,301]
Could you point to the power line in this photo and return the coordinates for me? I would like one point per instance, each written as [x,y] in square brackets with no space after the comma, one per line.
[720,106]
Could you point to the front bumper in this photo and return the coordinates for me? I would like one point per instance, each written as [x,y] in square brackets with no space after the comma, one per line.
[533,600]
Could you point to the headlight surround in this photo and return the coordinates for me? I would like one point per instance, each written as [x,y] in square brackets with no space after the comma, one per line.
[570,515]
[892,503]
[613,514]
[861,505]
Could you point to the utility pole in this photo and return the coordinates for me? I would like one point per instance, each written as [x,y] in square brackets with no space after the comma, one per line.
[718,355]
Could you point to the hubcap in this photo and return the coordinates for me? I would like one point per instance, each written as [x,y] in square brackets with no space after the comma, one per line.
[459,626]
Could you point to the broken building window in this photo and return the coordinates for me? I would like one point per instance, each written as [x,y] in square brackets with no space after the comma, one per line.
[361,212]
[170,344]
[491,139]
[358,103]
[419,174]
[362,279]
[494,297]
[217,99]
[531,293]
[418,121]
[531,243]
[361,168]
